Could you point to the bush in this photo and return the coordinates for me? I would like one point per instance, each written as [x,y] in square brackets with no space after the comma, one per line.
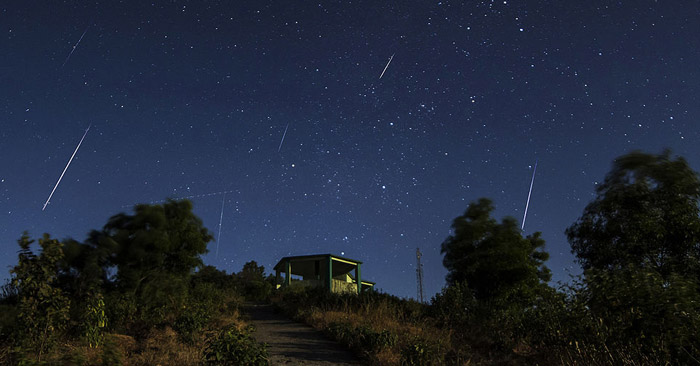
[191,321]
[362,338]
[234,347]
[454,305]
[420,352]
[121,311]
[373,341]
[638,307]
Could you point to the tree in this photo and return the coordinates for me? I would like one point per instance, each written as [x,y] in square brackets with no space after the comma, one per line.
[165,238]
[253,281]
[252,272]
[645,214]
[638,242]
[156,251]
[43,307]
[493,258]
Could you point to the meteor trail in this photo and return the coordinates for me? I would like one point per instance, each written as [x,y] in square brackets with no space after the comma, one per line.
[66,168]
[187,197]
[528,196]
[221,219]
[387,66]
[75,46]
[283,135]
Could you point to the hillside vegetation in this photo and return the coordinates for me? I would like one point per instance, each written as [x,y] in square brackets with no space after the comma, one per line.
[637,302]
[136,292]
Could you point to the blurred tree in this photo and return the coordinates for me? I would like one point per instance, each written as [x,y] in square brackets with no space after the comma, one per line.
[156,251]
[85,266]
[165,238]
[493,258]
[645,214]
[638,242]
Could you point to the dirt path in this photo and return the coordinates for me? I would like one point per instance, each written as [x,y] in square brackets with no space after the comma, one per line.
[292,343]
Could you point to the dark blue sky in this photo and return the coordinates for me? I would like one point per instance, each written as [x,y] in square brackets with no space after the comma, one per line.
[192,98]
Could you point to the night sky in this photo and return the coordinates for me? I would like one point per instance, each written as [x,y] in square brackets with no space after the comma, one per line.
[193,98]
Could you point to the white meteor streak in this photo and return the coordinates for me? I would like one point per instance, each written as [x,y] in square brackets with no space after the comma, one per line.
[221,220]
[283,135]
[75,46]
[66,168]
[387,66]
[528,196]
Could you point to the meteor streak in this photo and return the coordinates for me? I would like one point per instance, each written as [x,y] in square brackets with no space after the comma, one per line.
[528,196]
[221,219]
[283,135]
[187,197]
[66,168]
[75,46]
[387,66]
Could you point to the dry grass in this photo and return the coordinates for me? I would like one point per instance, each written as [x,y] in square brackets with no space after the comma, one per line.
[159,347]
[382,315]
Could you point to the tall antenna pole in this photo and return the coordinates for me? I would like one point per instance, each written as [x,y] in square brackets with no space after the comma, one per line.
[419,275]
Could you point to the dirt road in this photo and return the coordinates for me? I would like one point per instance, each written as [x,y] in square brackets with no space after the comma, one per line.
[292,343]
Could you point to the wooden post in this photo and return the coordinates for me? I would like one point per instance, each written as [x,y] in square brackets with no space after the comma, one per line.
[288,279]
[330,273]
[359,279]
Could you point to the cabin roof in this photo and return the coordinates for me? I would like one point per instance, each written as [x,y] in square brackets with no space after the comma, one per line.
[281,263]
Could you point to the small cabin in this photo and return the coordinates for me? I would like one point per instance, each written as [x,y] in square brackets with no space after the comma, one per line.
[332,272]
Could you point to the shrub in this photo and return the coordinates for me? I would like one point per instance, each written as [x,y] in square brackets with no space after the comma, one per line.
[94,320]
[373,341]
[191,321]
[121,311]
[234,347]
[420,352]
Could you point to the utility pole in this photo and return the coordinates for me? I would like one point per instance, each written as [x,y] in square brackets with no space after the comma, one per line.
[419,275]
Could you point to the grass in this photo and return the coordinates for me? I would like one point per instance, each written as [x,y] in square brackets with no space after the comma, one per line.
[382,329]
[160,346]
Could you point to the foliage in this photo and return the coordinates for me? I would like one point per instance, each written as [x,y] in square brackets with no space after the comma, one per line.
[374,324]
[136,277]
[156,251]
[191,320]
[363,338]
[421,352]
[645,214]
[453,305]
[94,319]
[638,307]
[43,307]
[638,244]
[215,277]
[158,239]
[234,347]
[493,259]
[253,283]
[121,310]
